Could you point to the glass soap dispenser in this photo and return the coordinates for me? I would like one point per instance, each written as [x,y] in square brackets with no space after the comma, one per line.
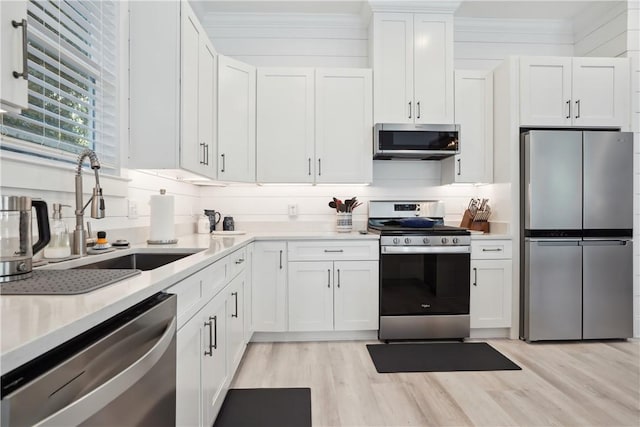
[58,246]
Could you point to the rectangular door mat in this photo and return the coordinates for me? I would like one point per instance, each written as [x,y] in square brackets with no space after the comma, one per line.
[266,407]
[438,357]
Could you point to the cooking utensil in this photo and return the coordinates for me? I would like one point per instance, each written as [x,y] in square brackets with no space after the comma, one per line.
[16,251]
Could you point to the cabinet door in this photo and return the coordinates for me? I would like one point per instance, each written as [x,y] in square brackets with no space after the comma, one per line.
[269,286]
[474,114]
[207,109]
[191,148]
[545,91]
[311,296]
[490,299]
[356,295]
[285,125]
[236,120]
[393,67]
[600,91]
[343,126]
[433,68]
[235,322]
[13,90]
[214,365]
[188,356]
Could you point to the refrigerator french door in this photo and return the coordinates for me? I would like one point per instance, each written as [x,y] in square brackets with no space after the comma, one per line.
[577,253]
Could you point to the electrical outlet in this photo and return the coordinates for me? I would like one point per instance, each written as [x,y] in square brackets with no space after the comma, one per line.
[132,209]
[292,209]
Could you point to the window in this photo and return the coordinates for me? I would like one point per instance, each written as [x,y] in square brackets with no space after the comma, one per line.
[72,59]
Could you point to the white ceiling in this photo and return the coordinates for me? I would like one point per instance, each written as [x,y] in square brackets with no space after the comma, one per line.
[504,9]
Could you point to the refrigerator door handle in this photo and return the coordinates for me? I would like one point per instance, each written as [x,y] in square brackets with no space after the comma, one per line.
[558,242]
[610,242]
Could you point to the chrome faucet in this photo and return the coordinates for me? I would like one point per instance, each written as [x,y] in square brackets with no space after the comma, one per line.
[96,200]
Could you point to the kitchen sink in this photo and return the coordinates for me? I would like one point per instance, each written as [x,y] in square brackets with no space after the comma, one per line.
[140,261]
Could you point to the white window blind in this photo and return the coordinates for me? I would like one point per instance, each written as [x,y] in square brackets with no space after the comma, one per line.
[73,63]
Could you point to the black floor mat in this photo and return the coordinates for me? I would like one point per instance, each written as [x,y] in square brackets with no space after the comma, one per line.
[438,357]
[266,407]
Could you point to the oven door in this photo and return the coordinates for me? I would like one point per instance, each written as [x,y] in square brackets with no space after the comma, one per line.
[424,281]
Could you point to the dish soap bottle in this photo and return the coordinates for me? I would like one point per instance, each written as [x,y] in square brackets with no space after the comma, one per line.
[58,246]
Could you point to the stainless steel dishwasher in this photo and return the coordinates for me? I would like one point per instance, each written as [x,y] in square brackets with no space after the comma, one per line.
[119,373]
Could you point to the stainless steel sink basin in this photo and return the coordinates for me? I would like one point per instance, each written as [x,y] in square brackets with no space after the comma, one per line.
[141,261]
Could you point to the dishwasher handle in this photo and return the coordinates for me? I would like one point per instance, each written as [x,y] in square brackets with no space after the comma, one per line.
[89,404]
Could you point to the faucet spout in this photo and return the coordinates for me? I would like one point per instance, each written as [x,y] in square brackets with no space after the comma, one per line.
[96,200]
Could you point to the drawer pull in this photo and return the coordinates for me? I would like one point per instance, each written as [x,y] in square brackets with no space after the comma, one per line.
[334,250]
[492,250]
[240,261]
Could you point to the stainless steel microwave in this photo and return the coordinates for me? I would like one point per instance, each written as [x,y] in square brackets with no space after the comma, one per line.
[414,141]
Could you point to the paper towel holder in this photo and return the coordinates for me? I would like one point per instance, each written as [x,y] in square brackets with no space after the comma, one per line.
[162,241]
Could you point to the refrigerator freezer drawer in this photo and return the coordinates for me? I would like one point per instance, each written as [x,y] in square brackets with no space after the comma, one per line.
[553,290]
[607,289]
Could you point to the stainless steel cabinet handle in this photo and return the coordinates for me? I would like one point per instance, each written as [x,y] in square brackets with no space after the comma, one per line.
[409,109]
[578,109]
[492,250]
[210,325]
[280,260]
[206,154]
[319,167]
[215,331]
[475,276]
[309,166]
[459,167]
[338,277]
[25,68]
[202,152]
[80,410]
[418,108]
[223,163]
[328,278]
[568,110]
[334,250]
[235,294]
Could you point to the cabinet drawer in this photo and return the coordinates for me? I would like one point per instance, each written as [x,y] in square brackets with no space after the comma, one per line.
[188,291]
[333,250]
[215,276]
[237,262]
[491,249]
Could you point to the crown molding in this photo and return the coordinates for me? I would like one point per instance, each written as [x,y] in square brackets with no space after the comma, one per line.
[417,6]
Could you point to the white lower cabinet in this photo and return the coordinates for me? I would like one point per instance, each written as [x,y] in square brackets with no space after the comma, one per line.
[214,369]
[328,296]
[269,286]
[211,337]
[235,321]
[490,298]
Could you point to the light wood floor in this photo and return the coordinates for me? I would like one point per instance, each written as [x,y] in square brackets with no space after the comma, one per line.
[594,384]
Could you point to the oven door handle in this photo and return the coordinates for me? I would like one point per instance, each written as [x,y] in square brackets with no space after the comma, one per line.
[403,250]
[86,406]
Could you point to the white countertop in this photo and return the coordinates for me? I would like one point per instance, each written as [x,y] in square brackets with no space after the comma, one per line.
[34,324]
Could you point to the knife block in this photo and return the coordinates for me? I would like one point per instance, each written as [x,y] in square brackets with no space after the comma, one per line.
[468,223]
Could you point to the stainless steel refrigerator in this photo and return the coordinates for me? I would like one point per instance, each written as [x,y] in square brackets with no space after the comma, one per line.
[576,229]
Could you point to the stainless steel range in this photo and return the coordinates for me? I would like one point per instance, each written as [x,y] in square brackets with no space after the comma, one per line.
[424,273]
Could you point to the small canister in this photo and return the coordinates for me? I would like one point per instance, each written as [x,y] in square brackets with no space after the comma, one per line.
[227,224]
[203,224]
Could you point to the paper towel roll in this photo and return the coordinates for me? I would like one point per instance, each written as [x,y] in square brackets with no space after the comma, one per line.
[162,219]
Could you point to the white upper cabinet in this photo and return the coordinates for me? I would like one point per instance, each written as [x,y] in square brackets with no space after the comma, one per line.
[171,90]
[413,68]
[13,84]
[285,125]
[236,120]
[558,91]
[474,114]
[314,126]
[198,97]
[343,126]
